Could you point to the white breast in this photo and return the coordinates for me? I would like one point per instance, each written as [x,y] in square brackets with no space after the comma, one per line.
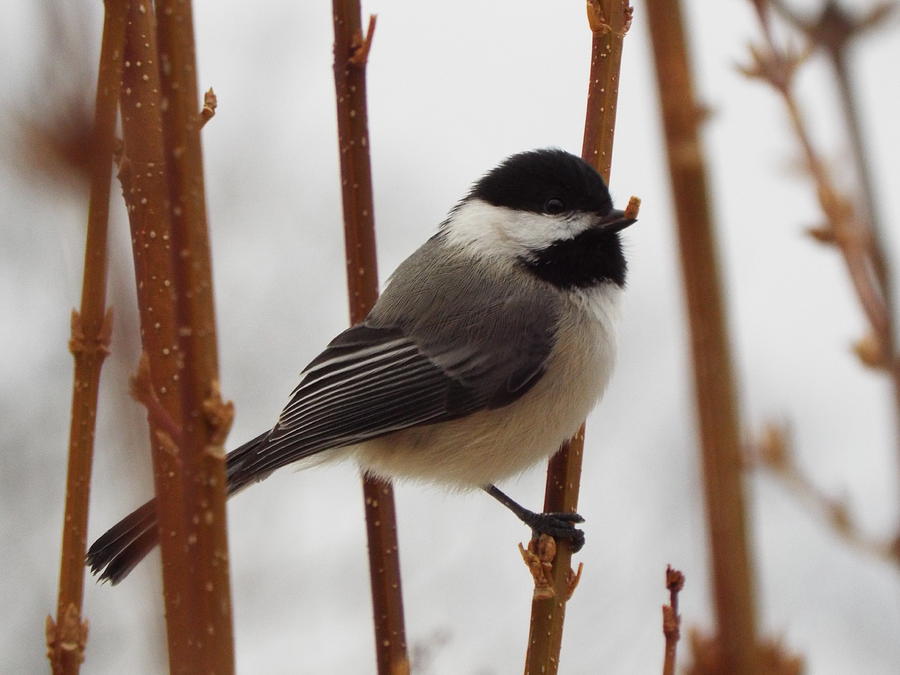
[491,445]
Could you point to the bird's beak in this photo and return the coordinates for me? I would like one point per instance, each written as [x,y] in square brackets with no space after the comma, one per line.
[614,221]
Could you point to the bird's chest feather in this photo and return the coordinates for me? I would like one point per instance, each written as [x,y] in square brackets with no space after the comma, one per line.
[582,360]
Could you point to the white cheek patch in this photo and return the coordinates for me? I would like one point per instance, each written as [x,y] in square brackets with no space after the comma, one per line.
[490,230]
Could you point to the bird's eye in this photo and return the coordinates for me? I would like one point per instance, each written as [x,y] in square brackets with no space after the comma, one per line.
[554,206]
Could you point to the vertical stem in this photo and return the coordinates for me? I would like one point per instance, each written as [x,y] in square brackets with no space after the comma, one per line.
[854,128]
[142,173]
[713,379]
[205,418]
[350,55]
[609,20]
[882,268]
[89,344]
[672,620]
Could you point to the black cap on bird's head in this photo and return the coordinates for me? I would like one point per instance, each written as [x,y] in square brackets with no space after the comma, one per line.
[580,245]
[549,181]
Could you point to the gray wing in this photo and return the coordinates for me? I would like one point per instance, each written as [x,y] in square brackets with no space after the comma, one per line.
[446,339]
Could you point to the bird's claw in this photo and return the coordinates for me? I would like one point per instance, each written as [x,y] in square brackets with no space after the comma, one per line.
[558,526]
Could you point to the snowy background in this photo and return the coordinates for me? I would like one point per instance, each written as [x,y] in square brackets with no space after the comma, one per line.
[453,89]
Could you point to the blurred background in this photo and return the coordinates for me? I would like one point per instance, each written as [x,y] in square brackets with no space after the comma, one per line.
[453,89]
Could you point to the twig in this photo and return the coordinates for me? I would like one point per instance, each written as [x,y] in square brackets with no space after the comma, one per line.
[774,452]
[608,20]
[351,51]
[834,31]
[210,104]
[671,619]
[732,574]
[202,455]
[91,329]
[143,392]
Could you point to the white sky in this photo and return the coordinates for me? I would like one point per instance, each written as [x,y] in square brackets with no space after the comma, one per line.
[453,89]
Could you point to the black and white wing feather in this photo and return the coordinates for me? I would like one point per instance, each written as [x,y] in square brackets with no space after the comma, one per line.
[409,365]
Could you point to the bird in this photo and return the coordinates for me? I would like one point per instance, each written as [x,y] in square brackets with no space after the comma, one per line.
[487,349]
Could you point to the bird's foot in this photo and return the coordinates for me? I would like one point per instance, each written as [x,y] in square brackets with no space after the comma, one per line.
[558,526]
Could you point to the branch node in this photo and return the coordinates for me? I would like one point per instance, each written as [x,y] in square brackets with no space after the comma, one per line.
[142,391]
[572,579]
[362,45]
[600,24]
[834,28]
[871,352]
[538,558]
[80,343]
[823,234]
[628,15]
[68,636]
[210,104]
[219,415]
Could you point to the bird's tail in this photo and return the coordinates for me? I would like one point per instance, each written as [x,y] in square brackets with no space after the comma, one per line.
[126,543]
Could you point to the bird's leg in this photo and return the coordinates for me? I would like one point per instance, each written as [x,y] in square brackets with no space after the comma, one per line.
[557,525]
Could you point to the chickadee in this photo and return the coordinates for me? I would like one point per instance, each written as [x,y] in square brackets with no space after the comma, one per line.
[488,348]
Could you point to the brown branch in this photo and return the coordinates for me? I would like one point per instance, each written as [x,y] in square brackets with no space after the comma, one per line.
[202,456]
[143,175]
[351,50]
[774,452]
[707,654]
[862,242]
[91,329]
[732,573]
[608,20]
[671,619]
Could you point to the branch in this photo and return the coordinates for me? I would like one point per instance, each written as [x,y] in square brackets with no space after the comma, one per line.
[774,452]
[773,658]
[716,398]
[671,618]
[856,232]
[144,179]
[91,329]
[351,53]
[609,21]
[204,483]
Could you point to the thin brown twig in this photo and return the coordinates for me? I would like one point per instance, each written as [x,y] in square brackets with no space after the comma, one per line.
[609,21]
[351,53]
[210,104]
[834,31]
[777,68]
[91,330]
[142,391]
[774,452]
[716,398]
[672,619]
[202,455]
